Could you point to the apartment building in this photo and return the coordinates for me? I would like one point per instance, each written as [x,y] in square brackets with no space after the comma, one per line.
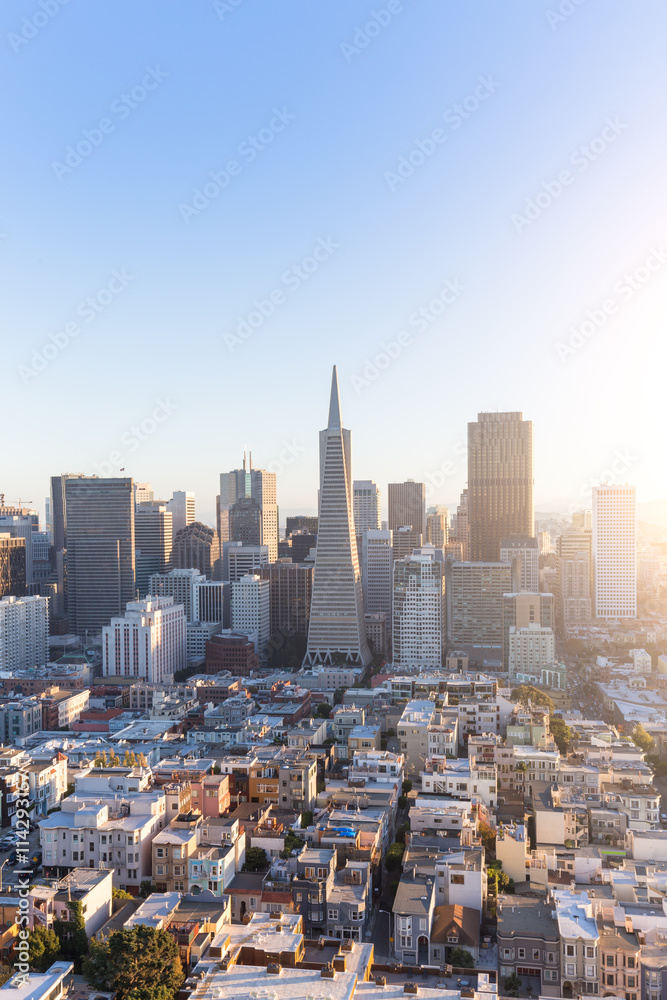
[529,944]
[171,850]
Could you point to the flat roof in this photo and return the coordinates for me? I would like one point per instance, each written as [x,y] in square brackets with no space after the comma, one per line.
[290,984]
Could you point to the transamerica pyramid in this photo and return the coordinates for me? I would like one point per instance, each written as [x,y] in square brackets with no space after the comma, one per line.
[337,632]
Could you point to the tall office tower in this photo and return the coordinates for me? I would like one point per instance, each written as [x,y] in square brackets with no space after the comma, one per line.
[251,612]
[290,594]
[242,560]
[182,508]
[301,522]
[47,518]
[615,551]
[196,547]
[366,505]
[407,506]
[181,584]
[524,550]
[474,593]
[302,544]
[463,526]
[544,543]
[21,522]
[245,521]
[41,563]
[261,486]
[24,632]
[336,614]
[212,599]
[143,493]
[519,610]
[582,520]
[500,481]
[59,508]
[437,526]
[418,616]
[574,592]
[404,540]
[12,566]
[148,642]
[153,540]
[100,551]
[377,562]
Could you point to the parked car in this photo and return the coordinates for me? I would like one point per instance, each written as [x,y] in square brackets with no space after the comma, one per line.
[6,845]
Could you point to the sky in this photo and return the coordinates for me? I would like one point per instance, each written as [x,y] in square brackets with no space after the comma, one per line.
[205,204]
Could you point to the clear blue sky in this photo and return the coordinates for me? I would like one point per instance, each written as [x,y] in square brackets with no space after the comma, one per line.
[335,97]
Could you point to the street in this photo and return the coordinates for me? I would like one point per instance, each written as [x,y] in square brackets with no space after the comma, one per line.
[11,873]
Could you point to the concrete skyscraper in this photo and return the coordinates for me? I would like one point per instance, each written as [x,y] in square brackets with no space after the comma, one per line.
[259,485]
[523,550]
[182,508]
[418,616]
[500,482]
[153,539]
[100,551]
[615,551]
[407,506]
[366,506]
[336,627]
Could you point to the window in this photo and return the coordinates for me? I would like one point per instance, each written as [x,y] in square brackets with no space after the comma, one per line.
[458,880]
[631,981]
[569,951]
[522,952]
[309,872]
[332,914]
[159,852]
[611,960]
[160,869]
[610,979]
[590,952]
[536,955]
[631,962]
[506,953]
[569,970]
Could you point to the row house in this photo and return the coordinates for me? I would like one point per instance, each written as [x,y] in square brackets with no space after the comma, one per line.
[461,778]
[639,803]
[529,944]
[348,904]
[47,779]
[109,831]
[171,850]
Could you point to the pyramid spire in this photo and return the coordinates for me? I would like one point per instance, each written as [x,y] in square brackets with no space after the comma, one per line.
[334,403]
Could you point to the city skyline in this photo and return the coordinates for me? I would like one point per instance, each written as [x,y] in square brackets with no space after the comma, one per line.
[462,270]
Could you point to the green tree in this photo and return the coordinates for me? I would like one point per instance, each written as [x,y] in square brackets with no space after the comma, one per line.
[146,888]
[121,894]
[513,985]
[561,733]
[141,963]
[461,958]
[642,739]
[323,710]
[394,856]
[292,843]
[43,948]
[255,860]
[526,693]
[407,786]
[338,696]
[401,832]
[72,934]
[402,801]
[307,818]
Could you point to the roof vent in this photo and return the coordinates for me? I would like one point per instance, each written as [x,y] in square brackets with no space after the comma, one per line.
[410,988]
[380,980]
[273,969]
[328,971]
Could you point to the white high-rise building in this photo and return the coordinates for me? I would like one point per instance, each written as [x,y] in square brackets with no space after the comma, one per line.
[377,571]
[366,506]
[530,648]
[182,507]
[24,632]
[337,624]
[261,486]
[143,493]
[251,612]
[181,585]
[149,642]
[418,619]
[523,553]
[243,559]
[615,551]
